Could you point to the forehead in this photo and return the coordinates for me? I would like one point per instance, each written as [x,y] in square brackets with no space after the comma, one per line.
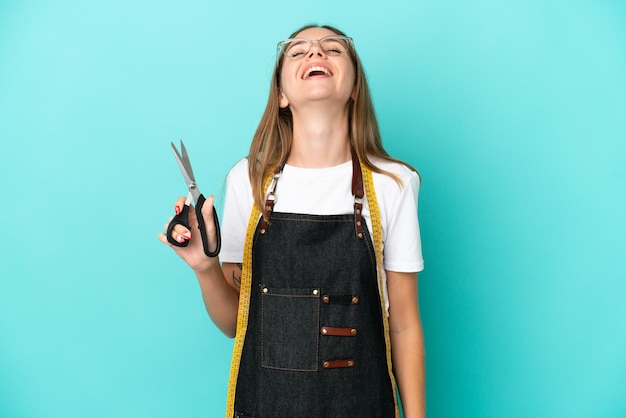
[315,33]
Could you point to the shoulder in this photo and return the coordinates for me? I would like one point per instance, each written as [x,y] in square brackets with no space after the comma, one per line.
[238,187]
[405,174]
[238,172]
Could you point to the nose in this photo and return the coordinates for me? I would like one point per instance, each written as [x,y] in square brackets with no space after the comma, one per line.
[316,49]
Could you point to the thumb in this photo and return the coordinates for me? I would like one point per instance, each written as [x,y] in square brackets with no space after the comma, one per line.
[212,228]
[207,208]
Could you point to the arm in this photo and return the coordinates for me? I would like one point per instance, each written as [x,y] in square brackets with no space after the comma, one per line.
[220,295]
[407,342]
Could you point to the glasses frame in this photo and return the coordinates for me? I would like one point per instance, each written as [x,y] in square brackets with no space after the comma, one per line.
[280,48]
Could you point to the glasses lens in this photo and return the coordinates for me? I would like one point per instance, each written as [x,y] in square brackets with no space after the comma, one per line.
[334,45]
[295,48]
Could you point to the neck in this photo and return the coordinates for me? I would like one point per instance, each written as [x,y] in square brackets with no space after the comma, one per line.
[320,137]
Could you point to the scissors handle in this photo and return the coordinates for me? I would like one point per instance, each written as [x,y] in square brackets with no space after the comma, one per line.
[183,219]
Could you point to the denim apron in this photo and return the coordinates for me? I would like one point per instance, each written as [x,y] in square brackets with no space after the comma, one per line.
[315,341]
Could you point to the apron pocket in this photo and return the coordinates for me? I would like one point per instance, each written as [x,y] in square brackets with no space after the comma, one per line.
[290,321]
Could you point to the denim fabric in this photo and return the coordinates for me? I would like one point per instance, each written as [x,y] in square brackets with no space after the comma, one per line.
[298,260]
[289,328]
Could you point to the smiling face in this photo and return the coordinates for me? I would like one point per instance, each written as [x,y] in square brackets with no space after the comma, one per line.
[319,74]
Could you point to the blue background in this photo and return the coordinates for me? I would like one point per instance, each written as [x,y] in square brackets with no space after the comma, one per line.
[514,113]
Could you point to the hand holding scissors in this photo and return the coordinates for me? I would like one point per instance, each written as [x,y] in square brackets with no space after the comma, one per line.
[182,218]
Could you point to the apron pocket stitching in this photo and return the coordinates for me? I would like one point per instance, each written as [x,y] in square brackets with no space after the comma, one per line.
[290,321]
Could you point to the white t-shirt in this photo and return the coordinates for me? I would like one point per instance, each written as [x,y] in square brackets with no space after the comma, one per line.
[328,191]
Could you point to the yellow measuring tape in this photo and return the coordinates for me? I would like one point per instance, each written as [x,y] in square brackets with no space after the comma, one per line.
[377,234]
[246,288]
[244,305]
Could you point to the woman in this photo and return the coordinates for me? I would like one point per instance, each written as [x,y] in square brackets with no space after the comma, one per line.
[319,313]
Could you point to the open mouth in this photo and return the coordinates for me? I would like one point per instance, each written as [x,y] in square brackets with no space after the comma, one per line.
[316,70]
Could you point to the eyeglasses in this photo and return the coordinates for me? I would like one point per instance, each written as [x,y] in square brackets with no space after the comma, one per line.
[296,48]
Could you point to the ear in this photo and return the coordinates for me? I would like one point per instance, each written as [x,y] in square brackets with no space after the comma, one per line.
[282,101]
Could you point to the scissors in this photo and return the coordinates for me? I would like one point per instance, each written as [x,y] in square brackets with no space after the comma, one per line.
[183,217]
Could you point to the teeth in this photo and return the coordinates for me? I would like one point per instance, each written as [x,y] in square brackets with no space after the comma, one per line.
[316,68]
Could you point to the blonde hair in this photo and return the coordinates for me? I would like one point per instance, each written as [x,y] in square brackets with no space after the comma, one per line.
[272,140]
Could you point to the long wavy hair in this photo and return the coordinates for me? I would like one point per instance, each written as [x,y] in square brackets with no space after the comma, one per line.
[272,140]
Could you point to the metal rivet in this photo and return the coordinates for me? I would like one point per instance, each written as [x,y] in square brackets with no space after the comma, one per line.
[350,363]
[358,223]
[325,299]
[326,365]
[360,235]
[355,300]
[353,331]
[262,231]
[315,291]
[265,290]
[324,330]
[268,208]
[358,211]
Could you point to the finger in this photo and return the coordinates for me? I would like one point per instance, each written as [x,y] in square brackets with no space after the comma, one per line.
[207,213]
[177,235]
[180,233]
[207,209]
[163,239]
[178,205]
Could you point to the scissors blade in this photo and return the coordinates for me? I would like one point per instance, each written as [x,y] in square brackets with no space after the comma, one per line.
[185,168]
[183,161]
[186,160]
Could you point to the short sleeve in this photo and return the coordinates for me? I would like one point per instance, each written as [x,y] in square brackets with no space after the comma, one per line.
[402,247]
[238,202]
